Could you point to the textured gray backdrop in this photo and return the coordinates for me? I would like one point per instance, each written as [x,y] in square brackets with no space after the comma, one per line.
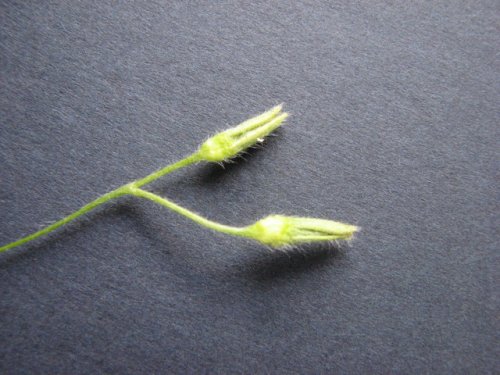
[394,127]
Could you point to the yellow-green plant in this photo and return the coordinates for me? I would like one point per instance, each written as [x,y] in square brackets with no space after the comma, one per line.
[276,231]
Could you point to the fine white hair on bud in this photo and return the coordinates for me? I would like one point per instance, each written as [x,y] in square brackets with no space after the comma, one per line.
[283,231]
[231,142]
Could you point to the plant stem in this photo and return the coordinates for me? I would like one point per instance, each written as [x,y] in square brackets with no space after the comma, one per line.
[123,190]
[235,231]
[191,159]
[88,207]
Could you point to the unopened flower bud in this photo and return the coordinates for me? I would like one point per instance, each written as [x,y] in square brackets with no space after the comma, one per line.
[229,143]
[279,231]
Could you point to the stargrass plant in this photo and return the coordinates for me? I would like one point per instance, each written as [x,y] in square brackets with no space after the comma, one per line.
[275,231]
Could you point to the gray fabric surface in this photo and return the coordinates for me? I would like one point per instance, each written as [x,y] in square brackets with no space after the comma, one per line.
[394,127]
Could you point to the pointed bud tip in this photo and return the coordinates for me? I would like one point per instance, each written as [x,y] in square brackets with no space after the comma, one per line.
[284,115]
[278,107]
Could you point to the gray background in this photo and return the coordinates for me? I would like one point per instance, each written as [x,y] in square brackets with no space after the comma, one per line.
[394,127]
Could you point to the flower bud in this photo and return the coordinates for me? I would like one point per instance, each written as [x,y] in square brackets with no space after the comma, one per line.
[279,231]
[229,143]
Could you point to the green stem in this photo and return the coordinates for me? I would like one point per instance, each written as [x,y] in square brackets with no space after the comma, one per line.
[124,190]
[88,207]
[235,231]
[191,159]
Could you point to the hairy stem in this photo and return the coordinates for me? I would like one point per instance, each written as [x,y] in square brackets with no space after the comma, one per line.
[235,231]
[124,190]
[88,207]
[191,159]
